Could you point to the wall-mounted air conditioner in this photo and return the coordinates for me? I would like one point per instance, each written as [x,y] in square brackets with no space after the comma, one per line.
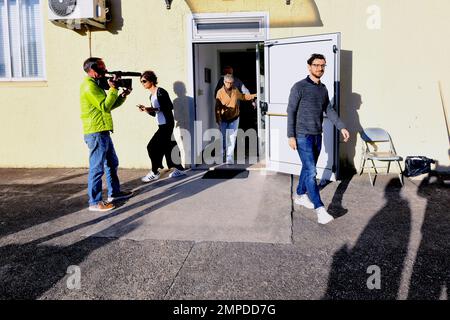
[78,12]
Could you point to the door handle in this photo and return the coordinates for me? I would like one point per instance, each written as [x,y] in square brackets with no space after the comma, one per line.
[264,107]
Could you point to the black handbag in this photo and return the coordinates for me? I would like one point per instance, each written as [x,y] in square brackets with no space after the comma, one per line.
[417,165]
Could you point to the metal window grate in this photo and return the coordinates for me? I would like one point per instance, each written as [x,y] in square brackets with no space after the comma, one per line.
[210,27]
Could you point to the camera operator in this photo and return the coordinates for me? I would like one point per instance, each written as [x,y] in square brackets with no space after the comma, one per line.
[96,107]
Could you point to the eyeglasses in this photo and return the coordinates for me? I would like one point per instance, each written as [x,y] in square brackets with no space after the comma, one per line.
[229,82]
[319,65]
[143,81]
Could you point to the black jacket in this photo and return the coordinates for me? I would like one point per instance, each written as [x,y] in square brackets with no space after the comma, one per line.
[165,104]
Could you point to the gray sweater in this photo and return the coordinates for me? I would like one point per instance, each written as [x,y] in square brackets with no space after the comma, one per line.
[307,103]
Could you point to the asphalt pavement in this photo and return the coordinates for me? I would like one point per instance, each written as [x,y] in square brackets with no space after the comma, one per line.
[238,238]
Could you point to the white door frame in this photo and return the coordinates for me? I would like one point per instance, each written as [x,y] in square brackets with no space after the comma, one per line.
[193,37]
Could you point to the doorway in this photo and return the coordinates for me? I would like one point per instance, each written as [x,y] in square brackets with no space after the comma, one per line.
[279,64]
[209,62]
[218,39]
[244,67]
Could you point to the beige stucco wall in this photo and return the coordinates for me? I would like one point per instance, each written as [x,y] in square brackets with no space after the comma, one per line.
[393,71]
[39,122]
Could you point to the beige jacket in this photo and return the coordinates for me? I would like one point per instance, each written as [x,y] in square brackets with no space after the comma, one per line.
[227,106]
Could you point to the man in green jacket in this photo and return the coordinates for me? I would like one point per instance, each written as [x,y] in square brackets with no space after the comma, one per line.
[96,107]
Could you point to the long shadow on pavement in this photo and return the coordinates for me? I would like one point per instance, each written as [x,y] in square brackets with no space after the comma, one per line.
[25,205]
[335,208]
[28,270]
[431,271]
[383,244]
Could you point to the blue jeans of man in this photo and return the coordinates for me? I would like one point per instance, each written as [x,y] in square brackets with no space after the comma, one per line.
[308,148]
[102,159]
[229,133]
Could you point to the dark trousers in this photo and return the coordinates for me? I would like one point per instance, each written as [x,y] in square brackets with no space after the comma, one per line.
[161,145]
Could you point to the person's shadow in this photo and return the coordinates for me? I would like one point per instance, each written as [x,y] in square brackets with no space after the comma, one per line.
[383,244]
[354,126]
[431,271]
[351,103]
[335,208]
[183,108]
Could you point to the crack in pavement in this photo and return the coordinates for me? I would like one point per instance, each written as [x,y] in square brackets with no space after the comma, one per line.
[178,272]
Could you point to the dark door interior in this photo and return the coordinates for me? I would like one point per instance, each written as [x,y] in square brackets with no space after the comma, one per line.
[244,67]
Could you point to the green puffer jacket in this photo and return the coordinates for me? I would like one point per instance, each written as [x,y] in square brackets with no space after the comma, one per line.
[96,106]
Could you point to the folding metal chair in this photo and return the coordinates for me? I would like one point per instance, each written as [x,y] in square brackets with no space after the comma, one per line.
[374,139]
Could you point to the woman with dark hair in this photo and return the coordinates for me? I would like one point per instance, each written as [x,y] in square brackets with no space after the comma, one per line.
[161,144]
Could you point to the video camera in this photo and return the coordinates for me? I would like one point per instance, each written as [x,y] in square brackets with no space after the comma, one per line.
[119,82]
[122,83]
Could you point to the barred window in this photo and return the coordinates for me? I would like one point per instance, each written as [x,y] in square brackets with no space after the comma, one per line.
[21,40]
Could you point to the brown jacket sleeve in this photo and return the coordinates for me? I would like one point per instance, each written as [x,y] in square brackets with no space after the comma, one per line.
[218,108]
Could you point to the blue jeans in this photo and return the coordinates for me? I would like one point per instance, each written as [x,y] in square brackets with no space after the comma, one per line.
[229,133]
[308,148]
[102,159]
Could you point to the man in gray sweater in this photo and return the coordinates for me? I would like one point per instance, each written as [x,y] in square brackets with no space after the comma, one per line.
[308,101]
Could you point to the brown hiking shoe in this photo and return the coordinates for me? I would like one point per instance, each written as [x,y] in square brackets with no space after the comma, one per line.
[102,206]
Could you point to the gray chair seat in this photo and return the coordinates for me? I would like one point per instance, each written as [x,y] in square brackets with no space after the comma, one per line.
[383,156]
[374,139]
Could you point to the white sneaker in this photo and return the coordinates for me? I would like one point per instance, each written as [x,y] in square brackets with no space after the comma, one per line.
[151,177]
[176,173]
[303,200]
[323,217]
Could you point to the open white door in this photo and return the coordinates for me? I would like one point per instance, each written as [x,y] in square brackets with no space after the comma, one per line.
[285,64]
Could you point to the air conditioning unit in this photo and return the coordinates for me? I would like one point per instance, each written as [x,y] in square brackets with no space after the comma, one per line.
[78,12]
